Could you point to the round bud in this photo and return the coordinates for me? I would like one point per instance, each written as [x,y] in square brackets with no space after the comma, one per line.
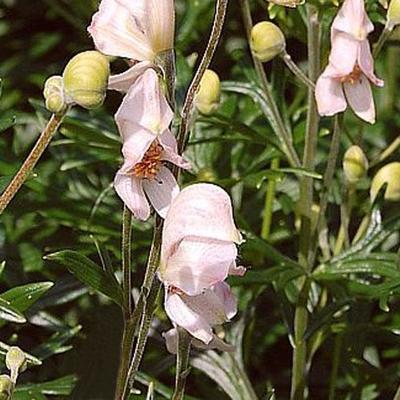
[209,95]
[15,361]
[355,164]
[393,14]
[267,41]
[6,387]
[390,175]
[53,93]
[86,79]
[206,175]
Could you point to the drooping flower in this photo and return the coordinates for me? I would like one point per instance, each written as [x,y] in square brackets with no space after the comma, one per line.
[143,121]
[346,79]
[198,252]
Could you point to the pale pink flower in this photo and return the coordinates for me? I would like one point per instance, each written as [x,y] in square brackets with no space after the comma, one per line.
[198,252]
[143,120]
[346,79]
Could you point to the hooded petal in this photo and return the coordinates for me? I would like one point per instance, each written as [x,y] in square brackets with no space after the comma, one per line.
[130,190]
[343,55]
[359,97]
[136,142]
[145,105]
[118,31]
[201,210]
[122,82]
[329,96]
[168,142]
[161,191]
[366,63]
[197,264]
[353,20]
[182,315]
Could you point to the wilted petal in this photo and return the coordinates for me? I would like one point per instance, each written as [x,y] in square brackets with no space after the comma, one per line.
[183,316]
[366,63]
[117,31]
[130,190]
[353,20]
[197,264]
[168,142]
[329,96]
[145,105]
[343,55]
[359,97]
[122,82]
[161,191]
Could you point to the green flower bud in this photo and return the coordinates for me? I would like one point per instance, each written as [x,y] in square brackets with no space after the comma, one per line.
[267,41]
[393,14]
[6,387]
[206,175]
[86,79]
[209,95]
[355,164]
[389,174]
[15,361]
[53,93]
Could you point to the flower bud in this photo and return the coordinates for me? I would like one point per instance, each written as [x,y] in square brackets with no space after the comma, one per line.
[209,94]
[355,164]
[86,79]
[53,93]
[393,14]
[267,41]
[389,174]
[6,387]
[15,361]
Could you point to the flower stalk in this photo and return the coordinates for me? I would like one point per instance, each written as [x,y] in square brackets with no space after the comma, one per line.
[182,364]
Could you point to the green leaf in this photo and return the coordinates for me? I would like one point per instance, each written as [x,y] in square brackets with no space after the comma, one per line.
[89,273]
[59,387]
[10,313]
[7,121]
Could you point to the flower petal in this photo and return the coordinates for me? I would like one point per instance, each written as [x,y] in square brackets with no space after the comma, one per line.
[130,190]
[223,291]
[343,55]
[197,264]
[122,82]
[116,31]
[359,96]
[329,96]
[136,142]
[366,63]
[161,191]
[168,142]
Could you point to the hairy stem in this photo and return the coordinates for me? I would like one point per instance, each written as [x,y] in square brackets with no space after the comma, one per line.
[297,71]
[32,159]
[182,364]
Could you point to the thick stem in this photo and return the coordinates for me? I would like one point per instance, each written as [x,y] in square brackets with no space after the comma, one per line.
[32,159]
[269,203]
[182,364]
[297,71]
[281,131]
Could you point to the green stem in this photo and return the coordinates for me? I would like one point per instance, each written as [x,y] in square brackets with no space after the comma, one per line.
[269,203]
[387,31]
[297,71]
[182,364]
[335,366]
[281,131]
[126,259]
[32,159]
[387,152]
[397,395]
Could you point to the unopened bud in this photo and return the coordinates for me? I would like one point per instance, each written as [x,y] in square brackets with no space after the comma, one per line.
[267,41]
[390,175]
[206,175]
[355,164]
[15,361]
[209,95]
[6,387]
[53,93]
[393,14]
[86,79]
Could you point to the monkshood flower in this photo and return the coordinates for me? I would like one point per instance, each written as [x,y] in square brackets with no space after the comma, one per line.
[135,29]
[143,121]
[198,252]
[346,79]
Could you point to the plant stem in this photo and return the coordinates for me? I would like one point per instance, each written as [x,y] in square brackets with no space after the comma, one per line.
[187,110]
[182,364]
[335,365]
[298,385]
[278,124]
[269,203]
[387,31]
[297,71]
[397,395]
[32,159]
[126,259]
[387,152]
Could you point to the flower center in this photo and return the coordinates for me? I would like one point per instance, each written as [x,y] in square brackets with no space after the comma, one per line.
[353,77]
[151,163]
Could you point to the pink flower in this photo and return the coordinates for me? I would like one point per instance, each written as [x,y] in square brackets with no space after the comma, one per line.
[143,120]
[198,252]
[346,79]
